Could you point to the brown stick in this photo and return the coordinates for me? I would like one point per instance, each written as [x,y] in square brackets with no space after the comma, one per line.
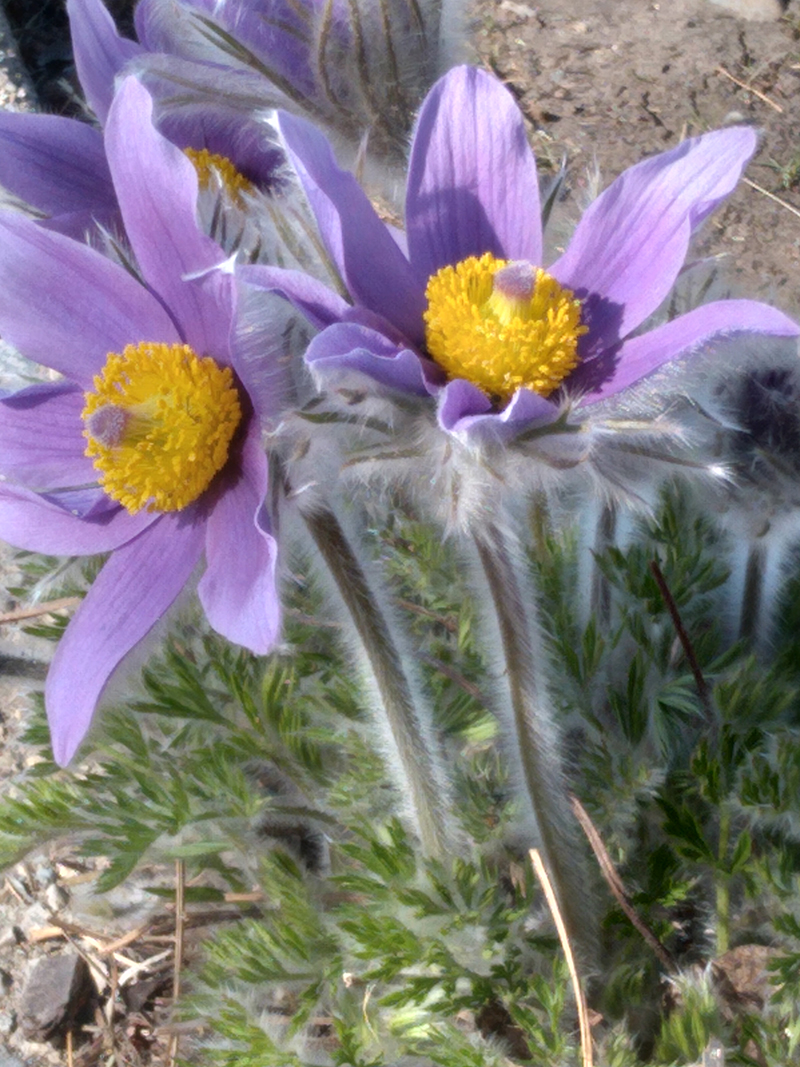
[615,884]
[749,89]
[683,637]
[40,609]
[180,902]
[772,196]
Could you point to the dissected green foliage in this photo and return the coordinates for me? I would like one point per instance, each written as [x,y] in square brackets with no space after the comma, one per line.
[267,774]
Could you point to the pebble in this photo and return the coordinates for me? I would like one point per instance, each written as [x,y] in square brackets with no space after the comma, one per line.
[11,935]
[8,1059]
[35,916]
[755,10]
[57,989]
[56,897]
[520,10]
[44,875]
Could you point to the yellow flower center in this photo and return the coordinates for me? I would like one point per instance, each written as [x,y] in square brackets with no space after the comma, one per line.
[159,424]
[502,325]
[214,170]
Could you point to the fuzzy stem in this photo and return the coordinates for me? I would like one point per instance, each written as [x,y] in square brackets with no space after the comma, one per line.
[411,736]
[601,590]
[752,592]
[534,739]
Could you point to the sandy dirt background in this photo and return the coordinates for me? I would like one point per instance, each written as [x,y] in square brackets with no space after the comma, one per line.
[606,82]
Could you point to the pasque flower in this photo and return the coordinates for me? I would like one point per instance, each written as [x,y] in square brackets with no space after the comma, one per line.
[213,70]
[460,308]
[357,66]
[58,165]
[148,445]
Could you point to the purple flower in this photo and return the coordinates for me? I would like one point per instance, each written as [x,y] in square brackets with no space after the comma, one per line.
[152,388]
[58,165]
[356,66]
[460,310]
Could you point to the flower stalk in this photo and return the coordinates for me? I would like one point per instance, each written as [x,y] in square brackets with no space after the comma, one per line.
[533,740]
[410,731]
[752,594]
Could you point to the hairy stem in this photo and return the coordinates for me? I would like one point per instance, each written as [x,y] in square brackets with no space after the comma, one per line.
[411,734]
[751,594]
[601,589]
[534,740]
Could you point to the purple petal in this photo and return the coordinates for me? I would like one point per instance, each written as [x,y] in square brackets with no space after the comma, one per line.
[132,592]
[41,438]
[66,306]
[277,33]
[636,358]
[238,590]
[346,347]
[319,304]
[100,52]
[248,143]
[466,411]
[472,185]
[632,240]
[376,272]
[38,524]
[177,84]
[55,164]
[156,187]
[82,226]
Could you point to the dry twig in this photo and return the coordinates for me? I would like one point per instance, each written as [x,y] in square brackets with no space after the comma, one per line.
[772,196]
[683,637]
[552,902]
[615,884]
[749,89]
[40,609]
[180,916]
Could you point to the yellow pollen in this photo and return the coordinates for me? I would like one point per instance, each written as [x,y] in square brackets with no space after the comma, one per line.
[502,325]
[213,170]
[159,425]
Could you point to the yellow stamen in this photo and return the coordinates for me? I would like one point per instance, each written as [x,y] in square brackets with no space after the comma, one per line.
[502,325]
[159,425]
[214,170]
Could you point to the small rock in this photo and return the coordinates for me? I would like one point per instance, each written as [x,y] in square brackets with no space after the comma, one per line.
[56,897]
[11,935]
[57,990]
[44,875]
[137,994]
[8,1024]
[755,10]
[523,11]
[742,976]
[8,1059]
[35,916]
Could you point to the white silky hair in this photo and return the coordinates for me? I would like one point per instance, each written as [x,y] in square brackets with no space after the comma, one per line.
[745,401]
[370,64]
